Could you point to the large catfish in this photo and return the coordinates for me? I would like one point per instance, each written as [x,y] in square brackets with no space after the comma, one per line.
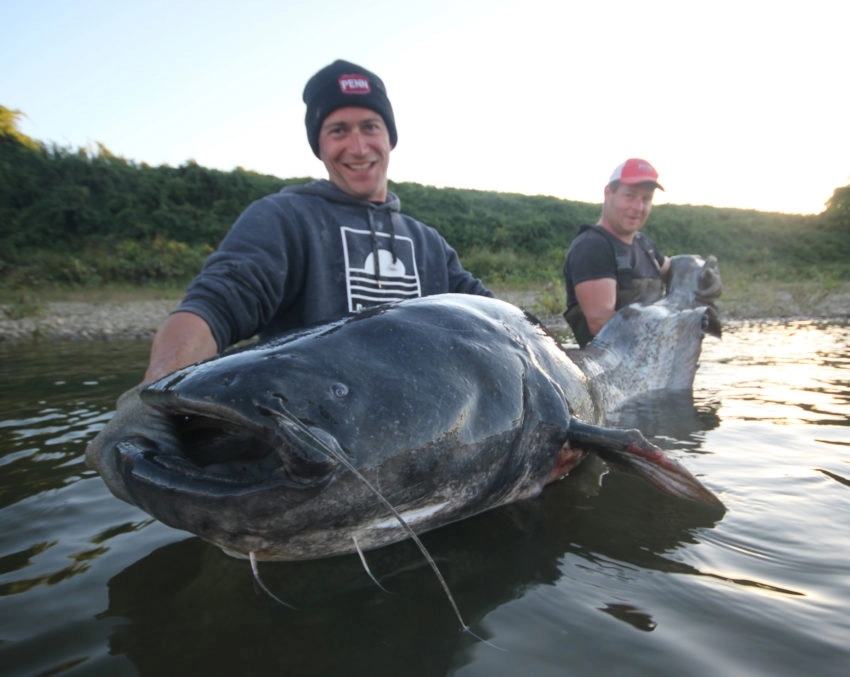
[355,434]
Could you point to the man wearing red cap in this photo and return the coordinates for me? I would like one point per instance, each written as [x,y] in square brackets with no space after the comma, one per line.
[612,264]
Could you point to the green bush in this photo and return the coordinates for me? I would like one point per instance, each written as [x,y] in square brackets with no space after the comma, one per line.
[157,261]
[82,218]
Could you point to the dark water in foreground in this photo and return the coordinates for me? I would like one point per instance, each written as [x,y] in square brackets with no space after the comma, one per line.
[611,580]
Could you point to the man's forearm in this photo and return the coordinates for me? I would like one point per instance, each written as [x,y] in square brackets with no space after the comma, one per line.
[183,339]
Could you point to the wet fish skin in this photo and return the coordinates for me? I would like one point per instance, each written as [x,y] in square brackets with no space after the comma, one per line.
[447,405]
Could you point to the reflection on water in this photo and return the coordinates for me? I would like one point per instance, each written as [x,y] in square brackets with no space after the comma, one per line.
[600,574]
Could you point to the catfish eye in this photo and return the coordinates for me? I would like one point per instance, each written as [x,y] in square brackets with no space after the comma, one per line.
[339,390]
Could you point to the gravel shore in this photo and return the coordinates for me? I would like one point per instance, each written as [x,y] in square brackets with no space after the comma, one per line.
[105,321]
[109,320]
[79,320]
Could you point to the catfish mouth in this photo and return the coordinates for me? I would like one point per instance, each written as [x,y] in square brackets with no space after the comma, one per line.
[218,450]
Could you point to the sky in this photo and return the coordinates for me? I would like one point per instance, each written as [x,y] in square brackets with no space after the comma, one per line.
[737,103]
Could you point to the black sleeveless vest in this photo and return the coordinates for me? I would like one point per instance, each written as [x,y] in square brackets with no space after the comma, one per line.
[644,290]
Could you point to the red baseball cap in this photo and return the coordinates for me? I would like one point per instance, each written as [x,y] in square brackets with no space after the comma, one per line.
[634,171]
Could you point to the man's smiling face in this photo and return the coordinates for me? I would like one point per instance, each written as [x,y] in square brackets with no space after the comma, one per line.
[626,209]
[354,145]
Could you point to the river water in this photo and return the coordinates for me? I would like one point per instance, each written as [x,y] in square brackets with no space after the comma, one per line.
[601,574]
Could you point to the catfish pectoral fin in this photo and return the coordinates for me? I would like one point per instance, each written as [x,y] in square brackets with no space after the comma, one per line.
[629,450]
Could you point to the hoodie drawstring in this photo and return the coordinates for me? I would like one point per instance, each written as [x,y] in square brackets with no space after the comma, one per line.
[375,249]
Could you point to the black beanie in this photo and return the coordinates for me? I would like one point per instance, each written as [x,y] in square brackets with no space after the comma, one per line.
[345,84]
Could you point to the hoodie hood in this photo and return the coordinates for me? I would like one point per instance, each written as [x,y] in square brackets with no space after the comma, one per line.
[329,191]
[382,217]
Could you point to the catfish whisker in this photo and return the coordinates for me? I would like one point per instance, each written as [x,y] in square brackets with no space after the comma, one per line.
[366,566]
[297,427]
[256,570]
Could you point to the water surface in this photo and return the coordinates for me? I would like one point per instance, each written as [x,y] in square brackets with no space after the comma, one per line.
[600,575]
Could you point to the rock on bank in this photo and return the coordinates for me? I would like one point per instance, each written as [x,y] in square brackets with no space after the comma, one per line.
[78,320]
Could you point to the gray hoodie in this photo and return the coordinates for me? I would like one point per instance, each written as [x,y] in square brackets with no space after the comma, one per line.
[311,254]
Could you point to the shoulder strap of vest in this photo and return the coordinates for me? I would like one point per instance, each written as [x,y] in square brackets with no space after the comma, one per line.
[643,241]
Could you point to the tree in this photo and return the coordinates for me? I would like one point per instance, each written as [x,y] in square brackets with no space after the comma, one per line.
[9,132]
[838,209]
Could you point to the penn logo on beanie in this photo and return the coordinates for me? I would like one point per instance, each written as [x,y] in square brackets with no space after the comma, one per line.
[354,84]
[342,84]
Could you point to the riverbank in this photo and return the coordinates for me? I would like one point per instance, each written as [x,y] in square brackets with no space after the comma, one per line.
[139,319]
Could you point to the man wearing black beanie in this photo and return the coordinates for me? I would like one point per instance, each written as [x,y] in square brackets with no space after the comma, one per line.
[351,128]
[308,254]
[340,85]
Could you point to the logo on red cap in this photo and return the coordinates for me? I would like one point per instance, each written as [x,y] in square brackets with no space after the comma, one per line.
[354,84]
[634,171]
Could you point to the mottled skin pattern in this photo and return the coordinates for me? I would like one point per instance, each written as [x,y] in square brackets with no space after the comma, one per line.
[447,405]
